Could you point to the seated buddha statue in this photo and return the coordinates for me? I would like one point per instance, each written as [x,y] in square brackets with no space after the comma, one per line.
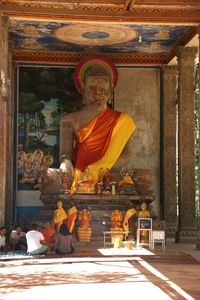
[126,184]
[144,213]
[59,216]
[86,184]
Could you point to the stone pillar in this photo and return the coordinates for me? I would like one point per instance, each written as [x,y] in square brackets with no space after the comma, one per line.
[186,190]
[10,150]
[198,230]
[169,149]
[5,117]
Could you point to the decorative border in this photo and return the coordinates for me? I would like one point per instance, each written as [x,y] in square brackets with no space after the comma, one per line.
[74,57]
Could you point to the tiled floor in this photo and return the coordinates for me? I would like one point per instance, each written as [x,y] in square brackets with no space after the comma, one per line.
[93,274]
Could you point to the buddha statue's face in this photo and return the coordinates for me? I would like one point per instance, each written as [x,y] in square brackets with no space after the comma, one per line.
[97,91]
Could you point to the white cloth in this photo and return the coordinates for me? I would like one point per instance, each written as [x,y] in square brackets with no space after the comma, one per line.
[14,235]
[2,241]
[33,239]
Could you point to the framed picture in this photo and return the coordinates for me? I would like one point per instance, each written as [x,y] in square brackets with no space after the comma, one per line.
[144,223]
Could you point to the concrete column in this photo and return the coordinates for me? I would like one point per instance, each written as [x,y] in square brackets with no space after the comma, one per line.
[5,117]
[186,231]
[169,149]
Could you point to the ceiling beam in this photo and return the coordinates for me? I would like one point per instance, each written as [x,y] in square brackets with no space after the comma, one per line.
[128,5]
[149,15]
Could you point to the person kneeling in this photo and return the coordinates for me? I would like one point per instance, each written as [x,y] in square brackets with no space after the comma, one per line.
[18,239]
[36,244]
[63,241]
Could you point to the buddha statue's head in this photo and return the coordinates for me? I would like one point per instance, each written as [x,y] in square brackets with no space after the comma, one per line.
[95,77]
[96,86]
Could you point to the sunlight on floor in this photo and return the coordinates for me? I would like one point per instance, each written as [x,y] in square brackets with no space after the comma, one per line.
[99,278]
[125,251]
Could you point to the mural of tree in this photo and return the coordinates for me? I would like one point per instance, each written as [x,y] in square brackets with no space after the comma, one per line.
[52,83]
[29,104]
[40,85]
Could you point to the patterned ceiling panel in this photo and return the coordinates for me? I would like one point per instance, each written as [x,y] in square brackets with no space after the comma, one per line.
[102,37]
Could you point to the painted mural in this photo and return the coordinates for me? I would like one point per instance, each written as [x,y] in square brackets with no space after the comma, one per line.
[44,94]
[112,37]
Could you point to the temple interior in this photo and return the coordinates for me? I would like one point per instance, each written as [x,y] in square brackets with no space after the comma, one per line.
[154,45]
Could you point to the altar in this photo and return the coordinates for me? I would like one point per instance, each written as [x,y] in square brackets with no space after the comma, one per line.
[100,207]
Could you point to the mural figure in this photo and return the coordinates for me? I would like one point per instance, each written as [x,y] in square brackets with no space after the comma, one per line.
[95,136]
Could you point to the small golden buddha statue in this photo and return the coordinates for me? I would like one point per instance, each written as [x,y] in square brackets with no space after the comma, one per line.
[126,185]
[65,183]
[86,184]
[84,218]
[117,236]
[107,179]
[116,218]
[144,213]
[99,184]
[84,229]
[59,216]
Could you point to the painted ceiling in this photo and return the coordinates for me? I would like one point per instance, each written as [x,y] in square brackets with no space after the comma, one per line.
[102,37]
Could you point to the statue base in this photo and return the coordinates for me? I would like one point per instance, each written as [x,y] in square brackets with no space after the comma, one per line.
[86,189]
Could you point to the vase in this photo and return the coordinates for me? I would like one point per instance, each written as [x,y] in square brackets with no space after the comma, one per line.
[84,234]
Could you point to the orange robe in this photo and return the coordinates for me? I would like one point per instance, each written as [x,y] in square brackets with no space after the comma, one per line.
[48,236]
[93,139]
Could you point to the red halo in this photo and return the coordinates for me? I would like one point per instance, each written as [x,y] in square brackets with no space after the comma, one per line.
[90,60]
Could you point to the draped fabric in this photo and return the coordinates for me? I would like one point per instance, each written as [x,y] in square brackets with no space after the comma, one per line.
[100,143]
[71,217]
